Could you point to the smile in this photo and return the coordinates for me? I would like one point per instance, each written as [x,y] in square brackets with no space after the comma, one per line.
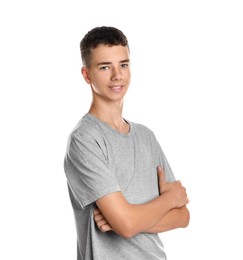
[117,88]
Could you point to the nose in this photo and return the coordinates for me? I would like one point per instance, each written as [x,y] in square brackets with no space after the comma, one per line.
[116,74]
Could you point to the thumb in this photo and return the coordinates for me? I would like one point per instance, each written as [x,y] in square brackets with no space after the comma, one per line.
[161,174]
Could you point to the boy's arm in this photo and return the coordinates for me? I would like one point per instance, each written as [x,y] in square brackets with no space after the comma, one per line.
[168,220]
[175,218]
[128,220]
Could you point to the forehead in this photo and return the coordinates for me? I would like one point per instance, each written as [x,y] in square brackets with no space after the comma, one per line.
[106,53]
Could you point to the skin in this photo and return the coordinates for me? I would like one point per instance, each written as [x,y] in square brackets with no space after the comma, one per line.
[175,218]
[109,77]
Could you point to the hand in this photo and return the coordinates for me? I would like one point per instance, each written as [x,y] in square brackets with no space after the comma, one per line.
[174,190]
[100,221]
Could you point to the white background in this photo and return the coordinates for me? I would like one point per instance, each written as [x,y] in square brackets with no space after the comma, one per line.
[187,64]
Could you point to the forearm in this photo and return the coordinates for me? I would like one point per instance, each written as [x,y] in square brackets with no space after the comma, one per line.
[148,215]
[128,220]
[175,218]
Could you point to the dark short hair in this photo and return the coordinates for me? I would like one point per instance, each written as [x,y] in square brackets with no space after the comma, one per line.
[100,35]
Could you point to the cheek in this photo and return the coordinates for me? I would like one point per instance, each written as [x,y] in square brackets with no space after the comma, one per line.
[128,76]
[98,84]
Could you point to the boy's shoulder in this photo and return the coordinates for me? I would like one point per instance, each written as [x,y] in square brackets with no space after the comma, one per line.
[86,127]
[90,127]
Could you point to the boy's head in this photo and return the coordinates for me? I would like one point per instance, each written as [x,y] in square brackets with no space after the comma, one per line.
[100,35]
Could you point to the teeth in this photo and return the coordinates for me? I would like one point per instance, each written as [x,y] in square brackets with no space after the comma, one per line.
[116,87]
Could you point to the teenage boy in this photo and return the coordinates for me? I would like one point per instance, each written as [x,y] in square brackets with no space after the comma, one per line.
[121,186]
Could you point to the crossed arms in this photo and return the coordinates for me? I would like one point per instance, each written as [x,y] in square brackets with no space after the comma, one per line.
[166,212]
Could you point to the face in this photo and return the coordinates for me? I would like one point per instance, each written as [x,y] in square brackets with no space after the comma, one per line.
[109,72]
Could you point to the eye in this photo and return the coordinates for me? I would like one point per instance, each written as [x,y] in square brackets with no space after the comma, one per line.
[125,65]
[104,68]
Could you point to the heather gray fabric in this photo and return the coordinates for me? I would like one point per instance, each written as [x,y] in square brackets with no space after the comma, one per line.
[101,160]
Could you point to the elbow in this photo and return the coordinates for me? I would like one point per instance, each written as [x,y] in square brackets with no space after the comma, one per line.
[127,234]
[127,230]
[186,218]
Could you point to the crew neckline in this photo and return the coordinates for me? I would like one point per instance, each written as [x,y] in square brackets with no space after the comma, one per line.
[94,118]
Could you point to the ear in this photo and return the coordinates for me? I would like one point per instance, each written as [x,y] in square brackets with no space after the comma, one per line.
[85,74]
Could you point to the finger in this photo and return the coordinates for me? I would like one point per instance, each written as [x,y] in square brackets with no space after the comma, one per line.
[101,222]
[103,225]
[98,217]
[105,228]
[96,211]
[161,174]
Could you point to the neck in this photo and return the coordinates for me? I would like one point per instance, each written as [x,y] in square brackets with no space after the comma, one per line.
[110,113]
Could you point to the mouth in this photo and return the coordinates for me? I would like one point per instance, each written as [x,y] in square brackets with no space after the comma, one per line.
[117,88]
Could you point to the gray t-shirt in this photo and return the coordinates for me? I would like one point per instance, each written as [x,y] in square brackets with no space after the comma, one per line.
[100,160]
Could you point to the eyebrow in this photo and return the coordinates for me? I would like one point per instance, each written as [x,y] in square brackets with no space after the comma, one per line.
[108,63]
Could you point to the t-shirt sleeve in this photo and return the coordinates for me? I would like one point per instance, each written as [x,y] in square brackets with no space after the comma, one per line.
[87,171]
